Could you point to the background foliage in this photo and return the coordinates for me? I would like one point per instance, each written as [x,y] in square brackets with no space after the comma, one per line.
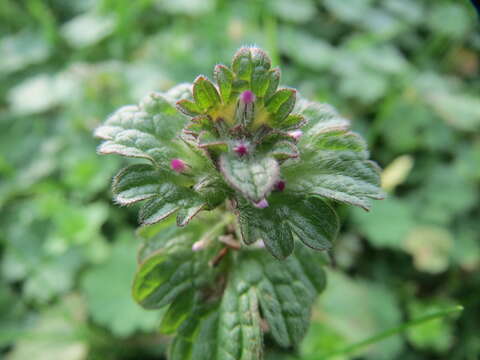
[406,73]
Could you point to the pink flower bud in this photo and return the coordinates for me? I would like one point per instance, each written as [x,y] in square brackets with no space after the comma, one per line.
[178,165]
[296,134]
[262,204]
[280,185]
[247,97]
[241,149]
[198,245]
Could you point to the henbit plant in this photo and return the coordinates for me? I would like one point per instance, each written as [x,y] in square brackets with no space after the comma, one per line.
[260,167]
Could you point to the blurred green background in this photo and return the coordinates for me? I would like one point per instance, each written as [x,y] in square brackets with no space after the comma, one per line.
[406,72]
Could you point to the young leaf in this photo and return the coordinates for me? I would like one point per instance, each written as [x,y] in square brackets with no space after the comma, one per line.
[242,64]
[188,107]
[273,81]
[224,78]
[205,94]
[253,177]
[280,105]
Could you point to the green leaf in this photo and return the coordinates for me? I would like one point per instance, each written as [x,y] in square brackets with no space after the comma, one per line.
[171,270]
[169,199]
[230,329]
[268,226]
[136,183]
[188,107]
[224,78]
[281,104]
[293,121]
[334,162]
[284,150]
[205,94]
[311,220]
[260,77]
[286,290]
[239,331]
[178,312]
[273,81]
[242,64]
[253,177]
[143,131]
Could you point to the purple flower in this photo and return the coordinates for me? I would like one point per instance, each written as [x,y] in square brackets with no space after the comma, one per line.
[280,185]
[178,165]
[247,97]
[296,134]
[262,204]
[241,149]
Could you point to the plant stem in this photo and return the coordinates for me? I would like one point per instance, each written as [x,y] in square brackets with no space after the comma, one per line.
[387,333]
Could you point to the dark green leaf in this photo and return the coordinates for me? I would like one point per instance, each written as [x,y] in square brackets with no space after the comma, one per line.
[171,270]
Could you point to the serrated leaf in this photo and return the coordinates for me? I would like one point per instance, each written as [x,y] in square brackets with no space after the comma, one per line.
[171,270]
[188,107]
[253,177]
[169,199]
[136,183]
[268,226]
[224,78]
[280,105]
[286,290]
[143,131]
[334,162]
[311,220]
[205,94]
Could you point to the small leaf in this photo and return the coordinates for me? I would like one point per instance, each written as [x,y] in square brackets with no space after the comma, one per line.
[205,94]
[253,177]
[273,81]
[208,141]
[281,104]
[242,64]
[292,122]
[283,150]
[188,107]
[224,78]
[260,77]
